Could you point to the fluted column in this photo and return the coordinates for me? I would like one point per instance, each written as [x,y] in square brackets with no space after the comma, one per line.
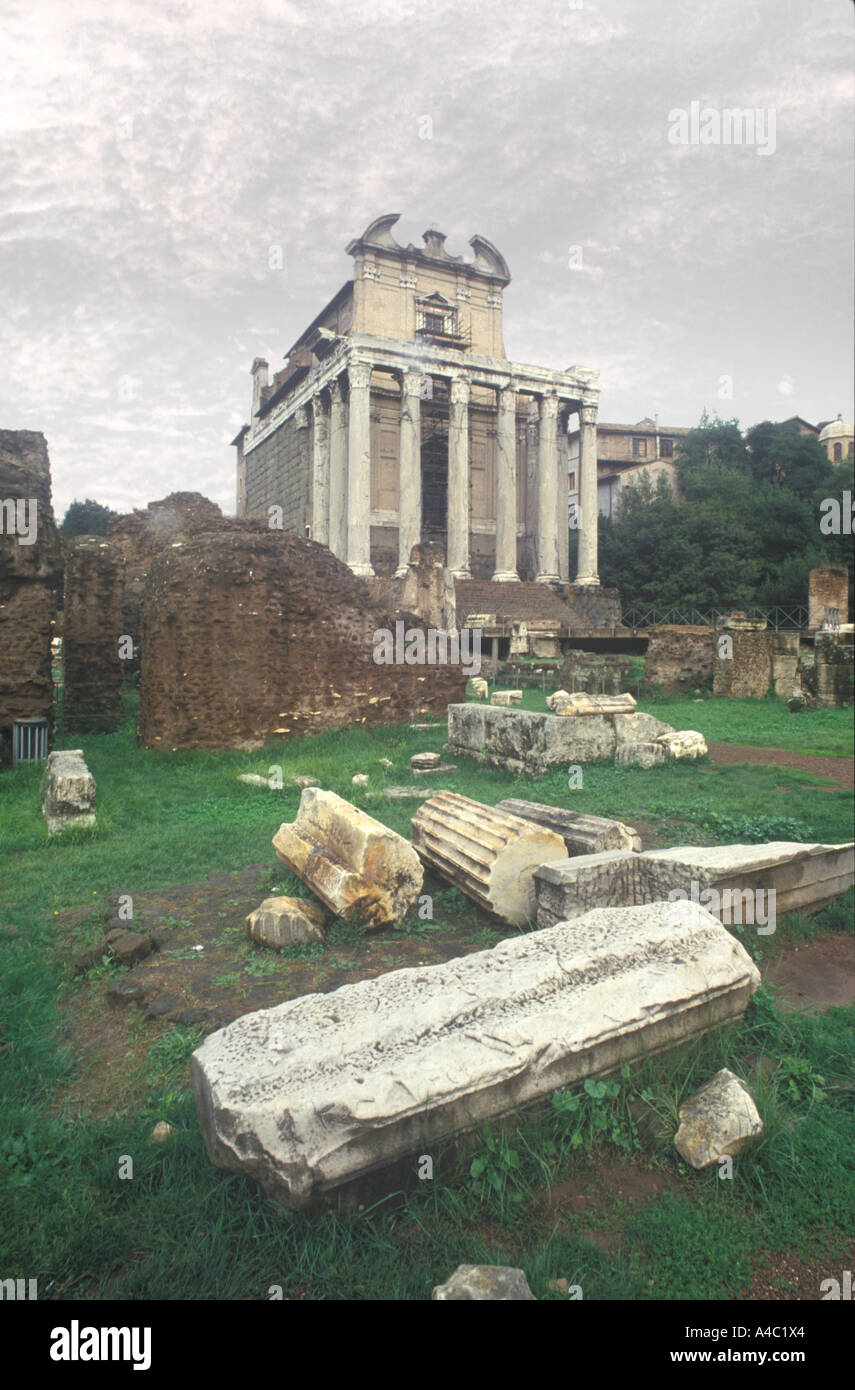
[506,487]
[563,509]
[586,572]
[458,479]
[320,471]
[410,471]
[547,500]
[359,469]
[338,472]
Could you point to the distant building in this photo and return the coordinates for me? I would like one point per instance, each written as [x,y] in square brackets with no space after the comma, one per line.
[837,439]
[624,454]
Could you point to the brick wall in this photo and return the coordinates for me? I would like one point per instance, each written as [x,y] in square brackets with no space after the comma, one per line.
[92,696]
[277,473]
[679,657]
[827,588]
[250,634]
[30,581]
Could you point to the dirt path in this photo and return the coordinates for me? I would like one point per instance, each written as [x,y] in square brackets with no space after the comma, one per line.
[838,770]
[815,975]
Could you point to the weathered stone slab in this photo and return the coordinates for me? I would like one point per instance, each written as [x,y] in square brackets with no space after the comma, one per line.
[687,743]
[733,881]
[423,762]
[325,1088]
[586,705]
[69,791]
[717,1121]
[362,871]
[641,754]
[804,877]
[287,921]
[480,688]
[490,855]
[506,697]
[484,1284]
[581,834]
[526,741]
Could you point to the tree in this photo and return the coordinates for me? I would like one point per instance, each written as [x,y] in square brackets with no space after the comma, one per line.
[86,519]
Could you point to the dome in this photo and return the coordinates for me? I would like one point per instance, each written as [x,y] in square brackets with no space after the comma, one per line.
[836,429]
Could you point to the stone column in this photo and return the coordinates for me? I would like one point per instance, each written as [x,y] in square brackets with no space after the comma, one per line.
[320,471]
[563,508]
[359,469]
[506,487]
[410,471]
[338,472]
[547,500]
[301,415]
[586,571]
[458,479]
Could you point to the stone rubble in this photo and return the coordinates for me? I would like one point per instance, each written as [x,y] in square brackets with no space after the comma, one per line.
[325,1089]
[489,855]
[284,921]
[359,869]
[581,834]
[717,1121]
[483,1284]
[68,791]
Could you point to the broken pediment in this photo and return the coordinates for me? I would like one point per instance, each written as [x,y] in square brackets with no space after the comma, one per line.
[487,260]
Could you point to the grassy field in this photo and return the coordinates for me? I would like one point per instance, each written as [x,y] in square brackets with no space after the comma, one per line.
[584,1188]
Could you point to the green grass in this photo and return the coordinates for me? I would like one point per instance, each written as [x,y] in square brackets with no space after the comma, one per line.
[182,1229]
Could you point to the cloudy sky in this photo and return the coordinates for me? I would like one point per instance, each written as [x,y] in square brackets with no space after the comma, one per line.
[152,154]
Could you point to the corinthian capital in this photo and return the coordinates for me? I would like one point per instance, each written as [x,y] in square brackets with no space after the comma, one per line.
[359,375]
[588,414]
[460,390]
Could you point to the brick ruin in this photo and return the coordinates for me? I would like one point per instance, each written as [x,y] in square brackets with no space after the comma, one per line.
[30,580]
[759,661]
[828,597]
[92,699]
[679,657]
[250,633]
[141,534]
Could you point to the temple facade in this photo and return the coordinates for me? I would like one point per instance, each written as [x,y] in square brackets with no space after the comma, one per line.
[398,419]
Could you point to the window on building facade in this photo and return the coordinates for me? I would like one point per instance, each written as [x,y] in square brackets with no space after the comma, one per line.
[666,448]
[639,448]
[572,482]
[838,453]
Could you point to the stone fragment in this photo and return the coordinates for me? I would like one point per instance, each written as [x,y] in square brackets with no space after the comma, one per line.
[300,779]
[420,762]
[641,754]
[432,771]
[530,742]
[506,697]
[362,871]
[327,1088]
[480,688]
[484,1284]
[253,779]
[688,743]
[717,1121]
[359,779]
[490,855]
[125,992]
[69,791]
[287,922]
[161,1132]
[386,762]
[88,959]
[581,834]
[409,793]
[556,696]
[739,884]
[582,704]
[127,946]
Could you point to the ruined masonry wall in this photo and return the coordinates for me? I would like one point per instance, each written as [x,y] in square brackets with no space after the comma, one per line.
[277,473]
[250,634]
[92,700]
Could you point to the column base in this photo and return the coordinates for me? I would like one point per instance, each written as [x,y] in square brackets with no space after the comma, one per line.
[460,574]
[505,577]
[401,572]
[362,571]
[592,581]
[547,579]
